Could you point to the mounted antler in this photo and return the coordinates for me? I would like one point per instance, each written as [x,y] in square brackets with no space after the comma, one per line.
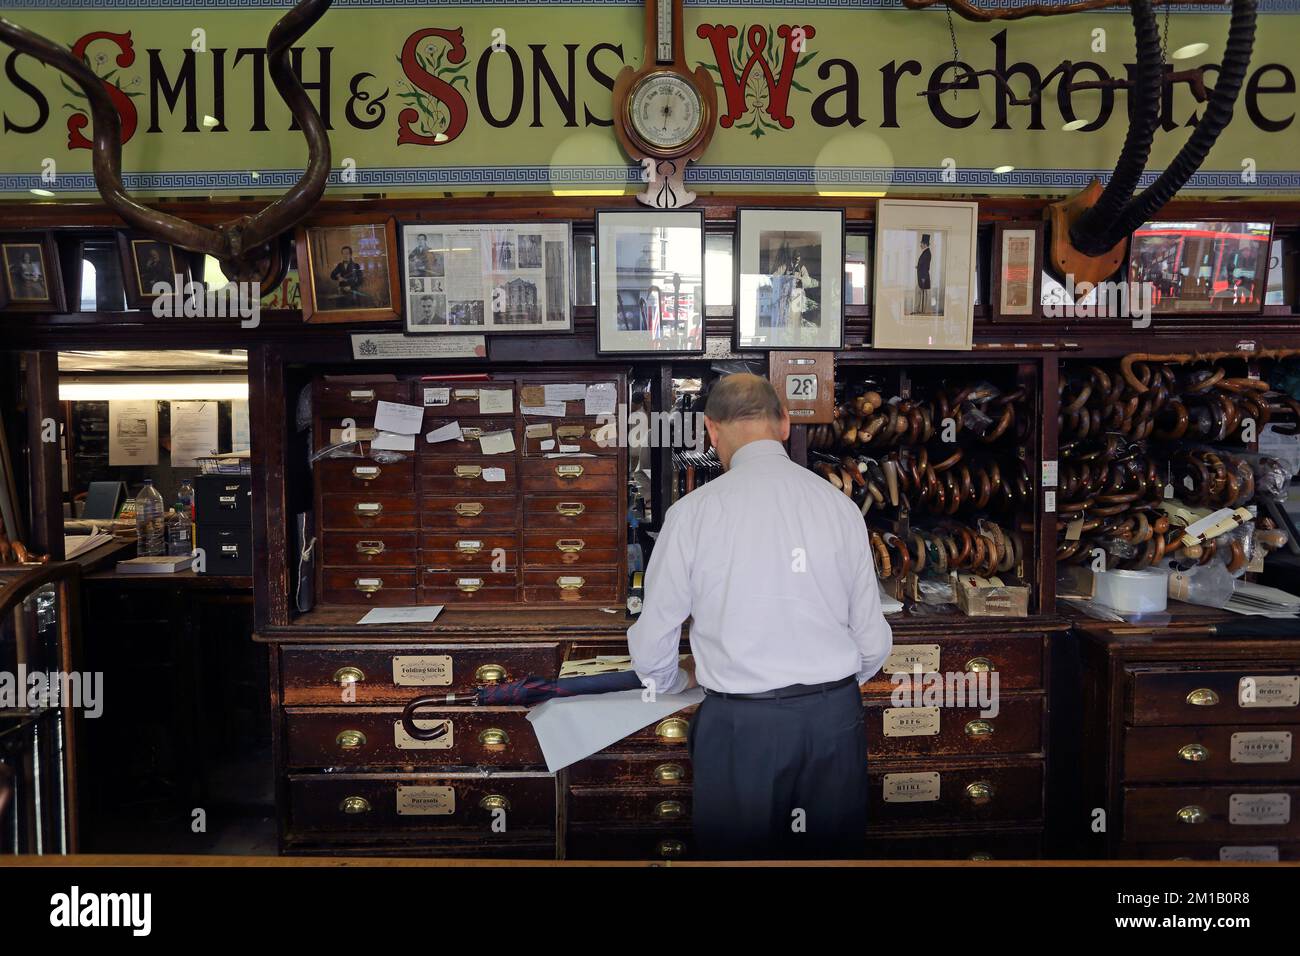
[250,247]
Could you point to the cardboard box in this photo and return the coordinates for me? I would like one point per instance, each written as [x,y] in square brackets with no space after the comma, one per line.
[982,597]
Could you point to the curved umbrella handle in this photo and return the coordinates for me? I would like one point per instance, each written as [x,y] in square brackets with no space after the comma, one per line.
[234,243]
[408,716]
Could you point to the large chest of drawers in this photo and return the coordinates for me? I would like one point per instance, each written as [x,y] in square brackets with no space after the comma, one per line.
[528,507]
[1190,745]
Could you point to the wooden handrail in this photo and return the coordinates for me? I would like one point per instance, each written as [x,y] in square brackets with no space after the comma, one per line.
[31,579]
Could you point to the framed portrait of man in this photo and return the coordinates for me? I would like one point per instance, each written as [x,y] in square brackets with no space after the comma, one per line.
[349,272]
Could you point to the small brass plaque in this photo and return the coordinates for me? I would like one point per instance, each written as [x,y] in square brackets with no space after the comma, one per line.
[426,801]
[905,657]
[1269,691]
[1248,854]
[911,787]
[1259,809]
[444,741]
[1264,746]
[425,670]
[911,721]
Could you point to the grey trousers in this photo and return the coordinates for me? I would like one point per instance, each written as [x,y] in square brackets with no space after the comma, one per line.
[780,779]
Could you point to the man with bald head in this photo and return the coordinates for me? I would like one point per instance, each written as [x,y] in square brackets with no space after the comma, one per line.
[773,567]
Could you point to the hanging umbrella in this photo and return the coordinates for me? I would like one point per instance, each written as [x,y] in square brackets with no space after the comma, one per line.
[527,692]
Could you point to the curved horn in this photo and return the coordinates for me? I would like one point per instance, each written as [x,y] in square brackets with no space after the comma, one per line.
[233,243]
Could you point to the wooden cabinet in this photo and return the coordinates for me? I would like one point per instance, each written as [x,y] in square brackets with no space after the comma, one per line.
[1190,744]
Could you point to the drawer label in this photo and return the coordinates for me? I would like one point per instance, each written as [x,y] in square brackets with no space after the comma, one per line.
[1248,854]
[426,801]
[911,787]
[911,721]
[425,670]
[444,741]
[1271,746]
[905,658]
[1259,809]
[1269,691]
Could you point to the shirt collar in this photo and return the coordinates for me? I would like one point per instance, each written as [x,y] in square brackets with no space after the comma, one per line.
[752,451]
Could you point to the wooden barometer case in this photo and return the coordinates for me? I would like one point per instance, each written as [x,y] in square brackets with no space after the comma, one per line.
[664,114]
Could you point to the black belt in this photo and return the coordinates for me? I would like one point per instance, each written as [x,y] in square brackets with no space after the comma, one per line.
[794,690]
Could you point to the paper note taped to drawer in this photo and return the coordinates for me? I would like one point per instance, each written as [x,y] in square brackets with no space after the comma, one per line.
[570,729]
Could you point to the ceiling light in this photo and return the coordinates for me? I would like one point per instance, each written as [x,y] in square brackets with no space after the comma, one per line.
[1189,51]
[44,193]
[1000,170]
[211,121]
[1074,124]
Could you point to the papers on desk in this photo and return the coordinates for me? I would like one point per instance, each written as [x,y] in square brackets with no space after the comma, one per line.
[570,729]
[1258,600]
[75,544]
[402,615]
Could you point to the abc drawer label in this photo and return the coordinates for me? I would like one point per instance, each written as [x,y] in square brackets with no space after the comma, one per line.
[430,670]
[911,787]
[444,740]
[1272,746]
[911,721]
[426,801]
[1259,809]
[904,658]
[1268,691]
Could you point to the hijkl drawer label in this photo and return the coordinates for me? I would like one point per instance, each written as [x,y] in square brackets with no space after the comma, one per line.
[426,801]
[911,721]
[911,787]
[442,741]
[1248,854]
[904,658]
[429,670]
[1269,691]
[1271,746]
[1259,809]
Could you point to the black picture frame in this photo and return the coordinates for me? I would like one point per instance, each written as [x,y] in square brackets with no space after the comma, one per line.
[20,283]
[1201,230]
[138,279]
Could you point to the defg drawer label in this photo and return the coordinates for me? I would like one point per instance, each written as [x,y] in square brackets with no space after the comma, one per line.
[425,670]
[1259,809]
[911,787]
[1269,691]
[442,741]
[1265,746]
[905,658]
[911,721]
[426,801]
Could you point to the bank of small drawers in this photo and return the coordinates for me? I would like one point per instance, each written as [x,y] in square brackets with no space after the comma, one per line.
[451,525]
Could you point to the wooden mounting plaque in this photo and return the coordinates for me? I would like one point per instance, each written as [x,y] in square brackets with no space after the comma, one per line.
[806,383]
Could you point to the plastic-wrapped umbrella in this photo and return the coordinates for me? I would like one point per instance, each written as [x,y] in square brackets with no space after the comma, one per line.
[519,693]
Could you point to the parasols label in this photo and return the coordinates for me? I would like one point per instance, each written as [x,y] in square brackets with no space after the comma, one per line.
[1268,691]
[426,801]
[444,741]
[424,670]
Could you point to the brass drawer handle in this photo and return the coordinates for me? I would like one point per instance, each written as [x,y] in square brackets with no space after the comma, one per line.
[366,472]
[361,395]
[980,665]
[979,728]
[980,792]
[668,773]
[570,509]
[470,433]
[569,431]
[569,471]
[465,394]
[348,675]
[671,849]
[494,738]
[672,728]
[980,856]
[370,547]
[669,810]
[468,471]
[350,740]
[1193,753]
[1202,697]
[469,547]
[369,585]
[469,509]
[494,801]
[355,805]
[469,585]
[570,545]
[570,583]
[1192,814]
[490,674]
[368,509]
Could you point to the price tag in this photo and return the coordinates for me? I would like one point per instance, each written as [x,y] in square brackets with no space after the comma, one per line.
[1050,473]
[1049,502]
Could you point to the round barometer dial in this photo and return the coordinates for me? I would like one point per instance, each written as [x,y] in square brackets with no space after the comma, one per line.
[665,111]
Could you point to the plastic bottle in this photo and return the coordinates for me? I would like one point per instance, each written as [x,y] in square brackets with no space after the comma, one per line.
[180,531]
[149,521]
[185,496]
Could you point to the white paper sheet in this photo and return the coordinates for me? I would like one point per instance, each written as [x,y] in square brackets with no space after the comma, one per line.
[550,409]
[133,433]
[600,399]
[396,417]
[495,401]
[391,441]
[194,432]
[240,436]
[448,432]
[497,443]
[564,393]
[402,615]
[573,728]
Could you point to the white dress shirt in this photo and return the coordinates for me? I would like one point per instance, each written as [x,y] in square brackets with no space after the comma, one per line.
[773,565]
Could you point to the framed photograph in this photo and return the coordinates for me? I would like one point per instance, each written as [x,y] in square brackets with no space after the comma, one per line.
[650,281]
[1017,270]
[925,274]
[488,277]
[347,271]
[789,285]
[1202,266]
[31,281]
[147,264]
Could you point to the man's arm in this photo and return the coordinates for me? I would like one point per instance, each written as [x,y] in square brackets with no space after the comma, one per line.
[653,641]
[867,624]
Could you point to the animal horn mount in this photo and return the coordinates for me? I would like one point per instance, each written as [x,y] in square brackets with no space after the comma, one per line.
[252,247]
